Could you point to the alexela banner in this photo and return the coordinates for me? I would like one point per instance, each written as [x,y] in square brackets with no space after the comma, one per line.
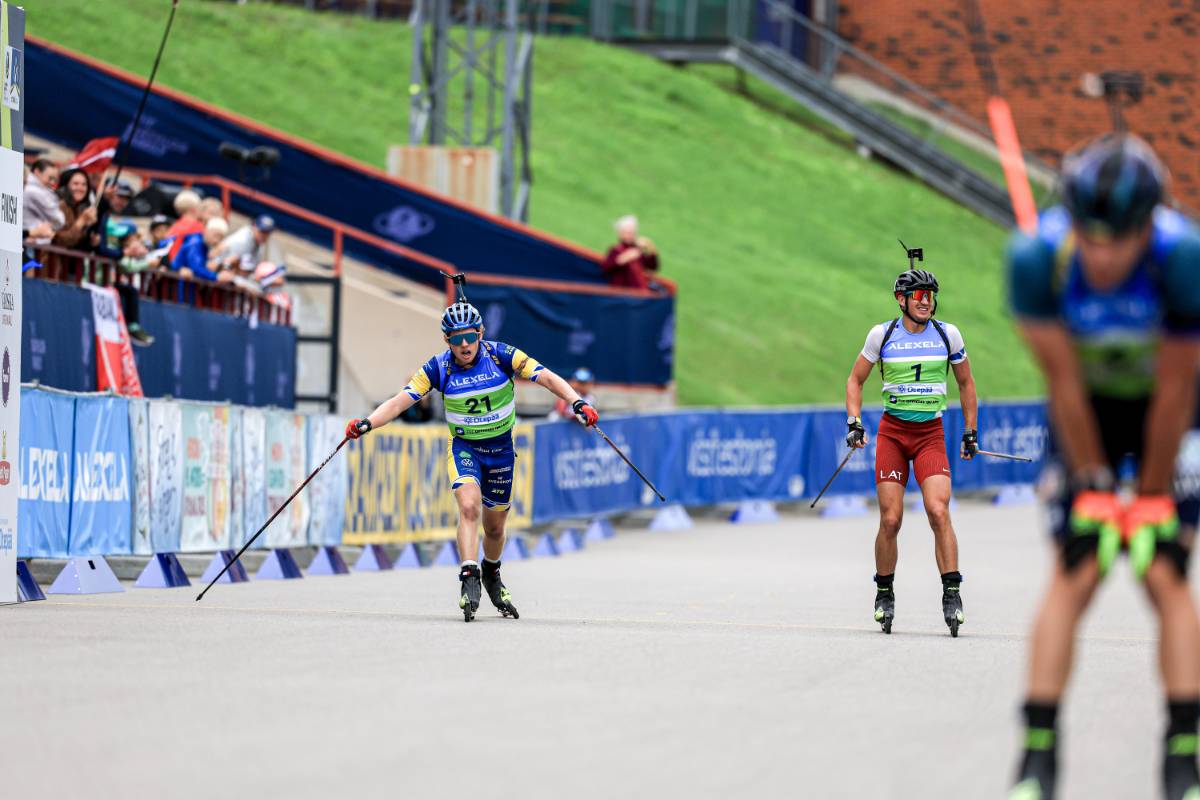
[12,181]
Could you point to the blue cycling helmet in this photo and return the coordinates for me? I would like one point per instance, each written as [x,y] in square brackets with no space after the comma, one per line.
[461,316]
[1112,184]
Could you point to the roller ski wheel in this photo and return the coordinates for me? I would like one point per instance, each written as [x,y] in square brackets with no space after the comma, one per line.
[1036,779]
[497,592]
[952,610]
[1181,781]
[468,598]
[885,609]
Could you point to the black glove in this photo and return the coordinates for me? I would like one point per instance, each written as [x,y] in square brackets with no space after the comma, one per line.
[856,434]
[970,443]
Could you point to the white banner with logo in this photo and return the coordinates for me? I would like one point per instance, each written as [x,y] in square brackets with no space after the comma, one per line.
[12,212]
[139,434]
[254,474]
[166,475]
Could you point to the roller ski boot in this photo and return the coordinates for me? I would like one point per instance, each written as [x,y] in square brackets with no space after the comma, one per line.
[952,609]
[468,599]
[497,591]
[885,608]
[1181,781]
[1036,779]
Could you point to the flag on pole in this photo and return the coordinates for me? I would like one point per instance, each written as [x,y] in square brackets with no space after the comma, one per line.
[96,155]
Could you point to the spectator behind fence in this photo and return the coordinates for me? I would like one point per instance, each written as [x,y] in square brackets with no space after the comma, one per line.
[79,213]
[631,258]
[271,280]
[583,382]
[41,202]
[246,248]
[134,258]
[187,209]
[192,258]
[160,224]
[116,199]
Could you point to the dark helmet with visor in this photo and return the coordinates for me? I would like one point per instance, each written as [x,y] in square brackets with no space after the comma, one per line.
[1112,184]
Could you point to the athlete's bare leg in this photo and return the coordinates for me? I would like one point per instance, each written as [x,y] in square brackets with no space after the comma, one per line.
[891,514]
[494,520]
[936,493]
[1053,646]
[469,502]
[1179,629]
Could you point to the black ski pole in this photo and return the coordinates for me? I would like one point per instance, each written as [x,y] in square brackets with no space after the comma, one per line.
[278,511]
[625,458]
[1003,455]
[831,477]
[126,142]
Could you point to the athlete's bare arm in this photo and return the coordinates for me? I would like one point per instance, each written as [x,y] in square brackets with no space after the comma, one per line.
[966,393]
[1171,412]
[854,385]
[1074,422]
[557,386]
[391,408]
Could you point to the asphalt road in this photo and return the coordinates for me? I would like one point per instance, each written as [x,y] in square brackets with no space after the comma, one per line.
[724,661]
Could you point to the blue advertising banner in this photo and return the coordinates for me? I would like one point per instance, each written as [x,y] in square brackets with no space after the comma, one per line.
[621,339]
[179,136]
[1015,428]
[101,504]
[197,355]
[44,504]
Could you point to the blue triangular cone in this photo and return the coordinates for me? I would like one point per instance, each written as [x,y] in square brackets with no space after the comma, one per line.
[515,549]
[328,561]
[599,530]
[410,556]
[569,541]
[671,518]
[844,505]
[27,587]
[85,575]
[447,556]
[162,571]
[545,546]
[235,574]
[279,566]
[373,559]
[754,511]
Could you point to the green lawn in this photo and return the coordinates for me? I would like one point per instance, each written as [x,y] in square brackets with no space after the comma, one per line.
[783,241]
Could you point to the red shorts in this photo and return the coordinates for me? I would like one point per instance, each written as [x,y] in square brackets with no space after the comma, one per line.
[899,442]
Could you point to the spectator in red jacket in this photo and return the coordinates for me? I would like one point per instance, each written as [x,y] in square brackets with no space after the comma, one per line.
[631,258]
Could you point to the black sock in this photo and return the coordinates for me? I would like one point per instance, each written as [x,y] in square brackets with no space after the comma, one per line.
[951,580]
[1183,717]
[490,567]
[883,583]
[1040,721]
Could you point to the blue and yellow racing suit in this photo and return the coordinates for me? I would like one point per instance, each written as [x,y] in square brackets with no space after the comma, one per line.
[481,409]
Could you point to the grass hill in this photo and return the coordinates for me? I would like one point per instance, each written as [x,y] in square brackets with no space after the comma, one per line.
[782,239]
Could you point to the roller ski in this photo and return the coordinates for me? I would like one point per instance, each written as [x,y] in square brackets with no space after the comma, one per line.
[952,609]
[500,596]
[885,608]
[468,599]
[1181,780]
[1036,779]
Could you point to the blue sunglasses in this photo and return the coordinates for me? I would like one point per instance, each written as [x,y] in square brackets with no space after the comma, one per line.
[464,338]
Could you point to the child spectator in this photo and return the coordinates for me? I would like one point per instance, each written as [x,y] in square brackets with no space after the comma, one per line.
[192,259]
[41,203]
[187,208]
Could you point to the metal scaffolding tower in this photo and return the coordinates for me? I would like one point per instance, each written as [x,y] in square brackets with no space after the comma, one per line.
[472,84]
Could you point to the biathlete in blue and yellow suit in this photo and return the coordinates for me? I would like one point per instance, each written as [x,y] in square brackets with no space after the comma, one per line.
[475,377]
[1107,294]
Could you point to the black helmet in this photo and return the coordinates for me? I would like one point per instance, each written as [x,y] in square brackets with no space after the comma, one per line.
[915,279]
[1113,183]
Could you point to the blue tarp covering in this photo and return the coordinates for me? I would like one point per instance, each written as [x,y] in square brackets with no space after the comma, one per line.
[197,355]
[621,339]
[179,137]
